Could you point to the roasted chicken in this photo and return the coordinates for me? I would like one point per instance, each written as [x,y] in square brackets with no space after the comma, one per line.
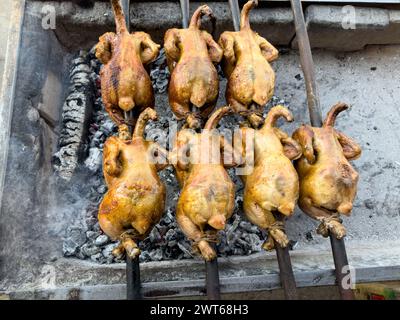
[273,186]
[135,199]
[208,194]
[125,83]
[193,86]
[328,182]
[251,80]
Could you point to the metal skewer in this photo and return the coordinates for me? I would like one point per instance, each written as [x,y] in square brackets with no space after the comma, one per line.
[212,278]
[286,275]
[285,266]
[185,13]
[125,4]
[235,11]
[133,285]
[212,275]
[338,247]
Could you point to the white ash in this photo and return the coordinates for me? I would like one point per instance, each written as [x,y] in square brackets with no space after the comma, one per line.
[76,113]
[166,241]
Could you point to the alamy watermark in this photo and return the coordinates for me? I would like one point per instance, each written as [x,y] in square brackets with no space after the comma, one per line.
[349,279]
[349,17]
[49,17]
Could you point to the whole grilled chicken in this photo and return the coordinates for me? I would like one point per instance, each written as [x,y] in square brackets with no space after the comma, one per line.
[273,185]
[328,182]
[135,199]
[251,80]
[125,84]
[208,194]
[193,86]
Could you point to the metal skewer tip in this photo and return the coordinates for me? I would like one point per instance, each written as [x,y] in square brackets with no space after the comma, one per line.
[212,278]
[234,6]
[285,268]
[125,4]
[185,13]
[133,285]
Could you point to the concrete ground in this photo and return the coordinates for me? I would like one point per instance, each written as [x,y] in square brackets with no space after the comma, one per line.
[5,13]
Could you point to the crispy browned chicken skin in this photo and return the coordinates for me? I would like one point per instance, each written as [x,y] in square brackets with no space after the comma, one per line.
[328,182]
[273,185]
[208,194]
[135,199]
[125,84]
[251,79]
[193,86]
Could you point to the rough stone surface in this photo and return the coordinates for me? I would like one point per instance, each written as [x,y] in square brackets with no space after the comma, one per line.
[328,27]
[273,23]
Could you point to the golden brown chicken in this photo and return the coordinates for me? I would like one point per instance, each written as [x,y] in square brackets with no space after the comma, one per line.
[208,194]
[125,84]
[328,183]
[273,185]
[135,199]
[251,80]
[193,87]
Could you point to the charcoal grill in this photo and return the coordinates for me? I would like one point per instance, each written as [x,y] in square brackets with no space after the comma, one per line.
[33,218]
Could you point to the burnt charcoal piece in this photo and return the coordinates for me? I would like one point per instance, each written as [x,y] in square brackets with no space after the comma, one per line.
[76,114]
[84,3]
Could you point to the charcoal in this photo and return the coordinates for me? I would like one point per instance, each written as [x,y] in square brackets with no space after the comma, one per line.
[144,256]
[101,240]
[89,250]
[154,235]
[172,243]
[93,162]
[98,257]
[107,251]
[293,244]
[75,116]
[102,189]
[91,235]
[156,255]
